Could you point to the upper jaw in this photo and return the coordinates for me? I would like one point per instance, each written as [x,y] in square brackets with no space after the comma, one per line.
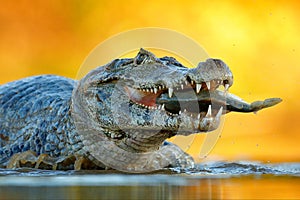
[185,89]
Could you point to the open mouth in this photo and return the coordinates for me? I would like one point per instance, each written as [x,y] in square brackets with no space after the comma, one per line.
[189,97]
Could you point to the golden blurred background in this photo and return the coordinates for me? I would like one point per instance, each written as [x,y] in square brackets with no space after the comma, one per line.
[259,40]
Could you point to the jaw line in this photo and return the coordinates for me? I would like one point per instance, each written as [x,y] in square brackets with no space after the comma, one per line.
[198,121]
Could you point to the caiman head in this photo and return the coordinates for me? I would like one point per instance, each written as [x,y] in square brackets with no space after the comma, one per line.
[133,105]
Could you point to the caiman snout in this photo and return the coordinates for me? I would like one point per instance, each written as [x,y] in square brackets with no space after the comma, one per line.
[199,94]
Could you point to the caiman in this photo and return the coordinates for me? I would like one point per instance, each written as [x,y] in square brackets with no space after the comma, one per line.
[118,116]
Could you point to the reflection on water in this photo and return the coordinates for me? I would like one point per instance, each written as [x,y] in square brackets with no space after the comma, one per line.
[243,180]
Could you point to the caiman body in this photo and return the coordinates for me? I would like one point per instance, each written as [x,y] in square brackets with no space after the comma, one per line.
[118,116]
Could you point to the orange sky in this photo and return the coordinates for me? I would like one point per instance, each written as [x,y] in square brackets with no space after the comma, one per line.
[259,40]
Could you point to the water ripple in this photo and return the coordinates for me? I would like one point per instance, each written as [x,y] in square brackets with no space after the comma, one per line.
[246,168]
[208,168]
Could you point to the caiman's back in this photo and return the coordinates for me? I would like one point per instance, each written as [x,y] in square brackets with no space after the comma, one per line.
[34,115]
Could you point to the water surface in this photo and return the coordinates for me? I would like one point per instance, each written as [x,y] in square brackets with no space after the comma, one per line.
[214,180]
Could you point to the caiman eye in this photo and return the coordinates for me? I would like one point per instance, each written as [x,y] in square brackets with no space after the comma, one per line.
[144,57]
[140,58]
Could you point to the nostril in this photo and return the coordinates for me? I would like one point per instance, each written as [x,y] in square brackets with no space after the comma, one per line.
[226,83]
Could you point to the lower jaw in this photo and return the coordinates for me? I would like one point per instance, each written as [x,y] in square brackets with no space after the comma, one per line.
[144,141]
[194,126]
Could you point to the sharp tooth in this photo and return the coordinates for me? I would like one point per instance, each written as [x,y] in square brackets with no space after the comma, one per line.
[163,107]
[170,92]
[198,116]
[226,86]
[182,86]
[192,82]
[186,82]
[198,87]
[147,90]
[208,85]
[151,90]
[180,112]
[155,90]
[208,114]
[219,112]
[184,110]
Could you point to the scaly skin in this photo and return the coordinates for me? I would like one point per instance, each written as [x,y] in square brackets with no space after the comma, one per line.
[117,116]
